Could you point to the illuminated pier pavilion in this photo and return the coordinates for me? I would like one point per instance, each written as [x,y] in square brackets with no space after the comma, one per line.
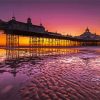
[38,37]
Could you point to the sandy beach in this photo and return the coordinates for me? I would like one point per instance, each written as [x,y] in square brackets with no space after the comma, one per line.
[72,77]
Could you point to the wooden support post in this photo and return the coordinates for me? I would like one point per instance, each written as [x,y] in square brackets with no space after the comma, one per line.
[12,45]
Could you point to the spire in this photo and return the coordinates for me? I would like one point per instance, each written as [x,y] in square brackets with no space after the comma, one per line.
[87,29]
[40,22]
[13,16]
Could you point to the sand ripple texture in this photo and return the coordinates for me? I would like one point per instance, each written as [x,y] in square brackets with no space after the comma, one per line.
[75,77]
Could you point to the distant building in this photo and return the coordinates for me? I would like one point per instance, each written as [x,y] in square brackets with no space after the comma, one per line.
[87,35]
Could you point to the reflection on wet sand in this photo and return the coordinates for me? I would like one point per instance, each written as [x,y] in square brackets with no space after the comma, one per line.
[28,52]
[15,57]
[50,74]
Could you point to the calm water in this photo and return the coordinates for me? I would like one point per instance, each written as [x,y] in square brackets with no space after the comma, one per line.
[50,74]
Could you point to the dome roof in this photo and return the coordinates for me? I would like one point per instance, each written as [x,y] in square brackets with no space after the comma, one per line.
[29,20]
[87,34]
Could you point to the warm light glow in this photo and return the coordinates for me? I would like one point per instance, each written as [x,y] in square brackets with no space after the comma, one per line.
[2,38]
[24,41]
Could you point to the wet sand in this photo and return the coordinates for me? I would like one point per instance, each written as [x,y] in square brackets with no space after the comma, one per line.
[71,77]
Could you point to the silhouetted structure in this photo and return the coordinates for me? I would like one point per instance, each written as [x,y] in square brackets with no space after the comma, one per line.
[87,35]
[39,37]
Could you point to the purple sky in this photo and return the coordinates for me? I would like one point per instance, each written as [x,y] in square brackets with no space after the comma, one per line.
[65,16]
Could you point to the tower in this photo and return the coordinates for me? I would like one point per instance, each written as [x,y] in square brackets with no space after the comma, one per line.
[29,21]
[13,18]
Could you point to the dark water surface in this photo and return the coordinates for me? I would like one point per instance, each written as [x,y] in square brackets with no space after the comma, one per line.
[50,74]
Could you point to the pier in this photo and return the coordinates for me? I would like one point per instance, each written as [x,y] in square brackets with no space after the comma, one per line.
[38,36]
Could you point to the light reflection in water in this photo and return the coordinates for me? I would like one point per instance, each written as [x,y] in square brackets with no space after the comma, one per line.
[28,52]
[12,59]
[21,64]
[18,65]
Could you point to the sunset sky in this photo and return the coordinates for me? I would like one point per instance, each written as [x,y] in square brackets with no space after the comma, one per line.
[64,16]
